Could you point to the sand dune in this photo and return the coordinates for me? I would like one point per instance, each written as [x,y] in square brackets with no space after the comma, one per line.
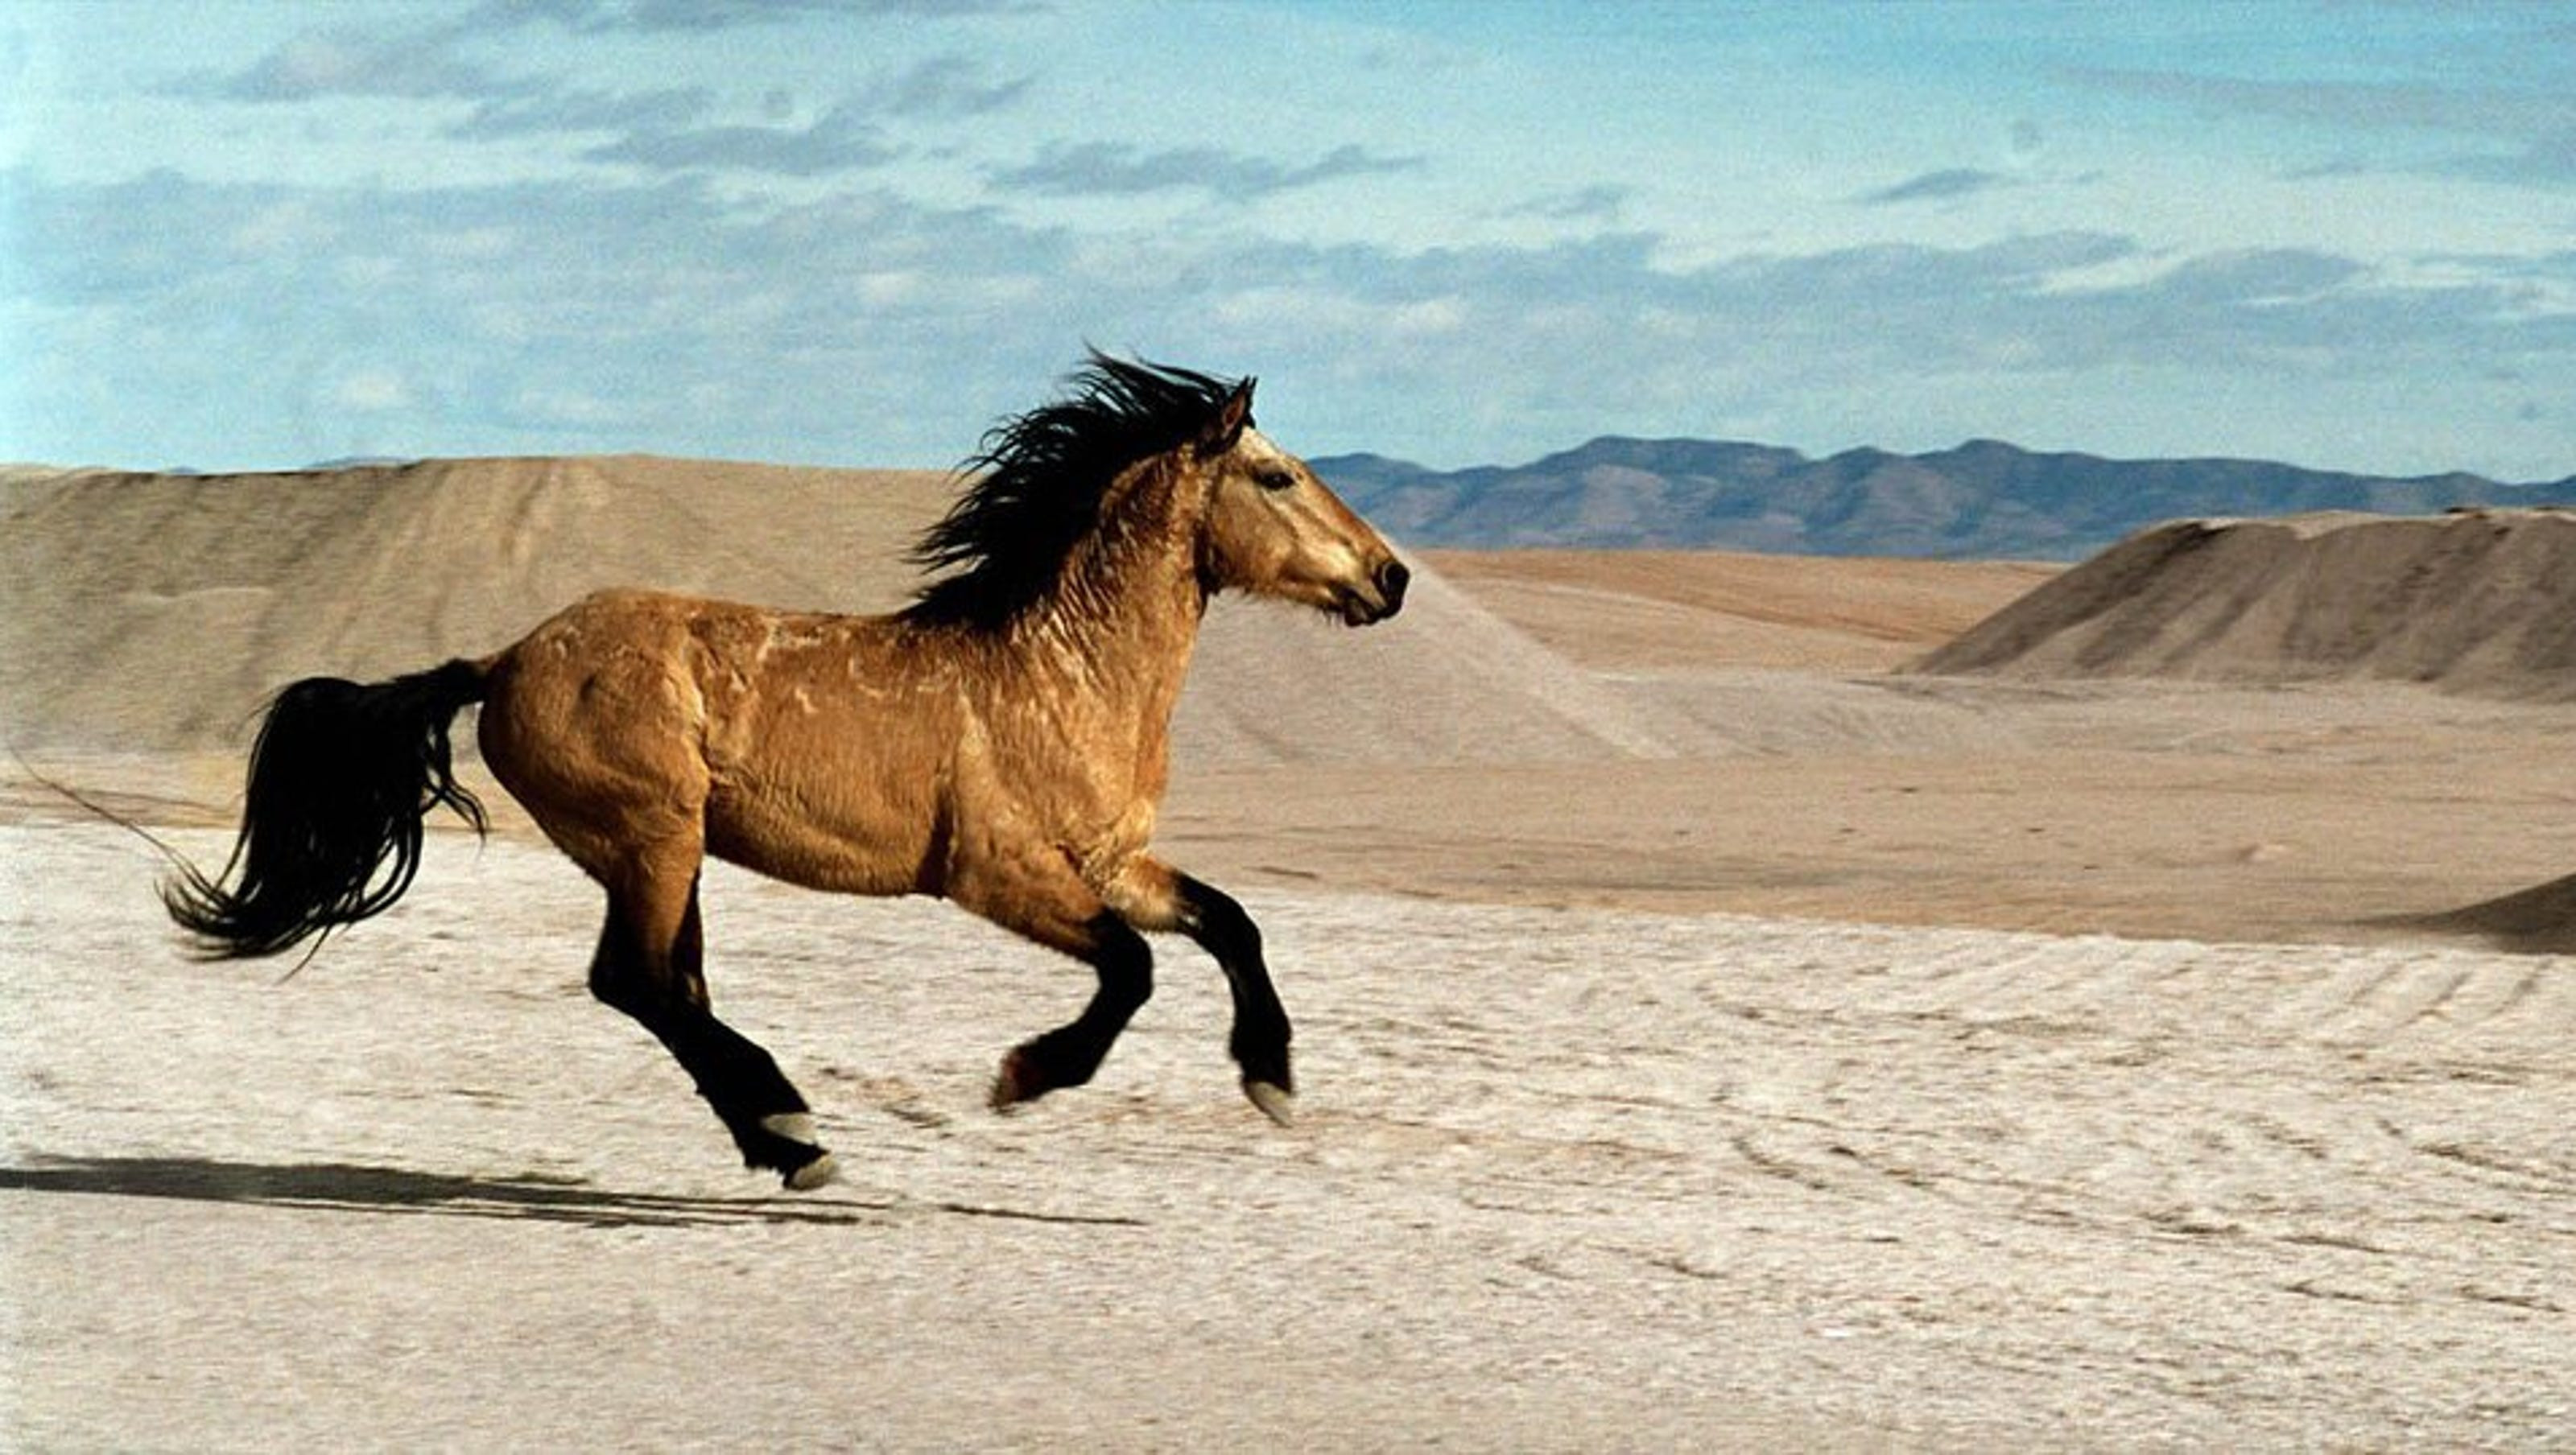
[2538,920]
[155,612]
[2478,601]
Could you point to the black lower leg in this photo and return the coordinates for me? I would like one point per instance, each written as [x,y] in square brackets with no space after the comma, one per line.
[1071,1053]
[769,1121]
[1261,1031]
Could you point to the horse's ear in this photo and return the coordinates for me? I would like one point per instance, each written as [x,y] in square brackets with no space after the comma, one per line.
[1225,429]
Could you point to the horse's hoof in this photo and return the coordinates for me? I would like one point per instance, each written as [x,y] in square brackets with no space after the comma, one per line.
[817,1172]
[1013,1085]
[793,1153]
[1274,1100]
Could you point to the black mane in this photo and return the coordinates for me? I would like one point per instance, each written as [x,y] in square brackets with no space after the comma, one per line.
[1044,473]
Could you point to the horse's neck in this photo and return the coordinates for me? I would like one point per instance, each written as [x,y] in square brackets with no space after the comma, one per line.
[1123,618]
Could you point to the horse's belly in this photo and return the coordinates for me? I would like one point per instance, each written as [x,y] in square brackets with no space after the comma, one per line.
[852,837]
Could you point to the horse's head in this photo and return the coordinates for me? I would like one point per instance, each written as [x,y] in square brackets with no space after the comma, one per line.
[1273,529]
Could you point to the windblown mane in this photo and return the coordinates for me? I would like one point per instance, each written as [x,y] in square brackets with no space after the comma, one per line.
[1044,474]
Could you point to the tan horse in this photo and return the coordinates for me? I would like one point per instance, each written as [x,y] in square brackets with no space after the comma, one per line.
[1002,742]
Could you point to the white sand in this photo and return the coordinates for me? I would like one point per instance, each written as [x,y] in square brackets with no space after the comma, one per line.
[1564,1180]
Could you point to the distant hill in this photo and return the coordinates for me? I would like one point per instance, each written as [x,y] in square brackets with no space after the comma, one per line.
[1984,499]
[2475,601]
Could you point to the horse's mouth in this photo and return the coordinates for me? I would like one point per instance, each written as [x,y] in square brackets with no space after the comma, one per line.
[1356,609]
[1383,597]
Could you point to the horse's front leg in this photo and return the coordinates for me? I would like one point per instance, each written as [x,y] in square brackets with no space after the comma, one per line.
[1154,896]
[1043,899]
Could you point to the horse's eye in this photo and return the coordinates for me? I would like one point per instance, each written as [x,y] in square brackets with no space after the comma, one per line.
[1275,479]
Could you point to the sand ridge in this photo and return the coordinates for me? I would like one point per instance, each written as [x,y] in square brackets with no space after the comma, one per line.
[2476,601]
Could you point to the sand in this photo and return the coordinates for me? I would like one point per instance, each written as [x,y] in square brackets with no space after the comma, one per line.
[1564,1180]
[1711,1036]
[1644,610]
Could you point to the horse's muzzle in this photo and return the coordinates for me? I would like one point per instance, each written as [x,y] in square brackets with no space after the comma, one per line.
[1384,598]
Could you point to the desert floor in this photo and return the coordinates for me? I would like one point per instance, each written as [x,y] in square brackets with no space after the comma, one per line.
[1914,1063]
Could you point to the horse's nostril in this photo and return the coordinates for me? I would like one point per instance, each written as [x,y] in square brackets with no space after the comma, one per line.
[1391,581]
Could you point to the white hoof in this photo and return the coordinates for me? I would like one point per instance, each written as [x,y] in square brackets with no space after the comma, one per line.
[1274,1101]
[798,1127]
[814,1174]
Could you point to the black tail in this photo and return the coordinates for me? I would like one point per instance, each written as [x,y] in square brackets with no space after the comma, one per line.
[340,780]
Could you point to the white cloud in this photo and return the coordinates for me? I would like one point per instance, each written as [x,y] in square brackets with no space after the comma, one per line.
[1116,169]
[371,391]
[840,140]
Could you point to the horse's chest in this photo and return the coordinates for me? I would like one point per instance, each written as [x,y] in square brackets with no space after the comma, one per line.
[1097,808]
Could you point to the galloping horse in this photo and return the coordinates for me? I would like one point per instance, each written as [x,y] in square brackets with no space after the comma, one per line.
[1001,742]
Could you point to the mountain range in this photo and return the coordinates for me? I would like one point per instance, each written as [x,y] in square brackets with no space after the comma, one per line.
[1983,499]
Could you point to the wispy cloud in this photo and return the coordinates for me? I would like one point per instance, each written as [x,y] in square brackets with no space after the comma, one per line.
[840,140]
[558,110]
[668,128]
[2548,157]
[1111,169]
[948,87]
[2528,132]
[1940,186]
[1599,203]
[2356,104]
[650,16]
[2257,278]
[411,65]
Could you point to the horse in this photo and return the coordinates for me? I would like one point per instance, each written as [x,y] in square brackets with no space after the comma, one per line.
[1001,742]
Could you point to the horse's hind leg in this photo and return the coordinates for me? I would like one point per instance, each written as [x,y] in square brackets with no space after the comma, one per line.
[650,965]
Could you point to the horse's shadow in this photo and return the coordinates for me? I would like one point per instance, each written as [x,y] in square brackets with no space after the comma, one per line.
[344,1187]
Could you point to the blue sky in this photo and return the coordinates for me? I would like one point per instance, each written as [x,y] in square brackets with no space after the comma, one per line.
[254,235]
